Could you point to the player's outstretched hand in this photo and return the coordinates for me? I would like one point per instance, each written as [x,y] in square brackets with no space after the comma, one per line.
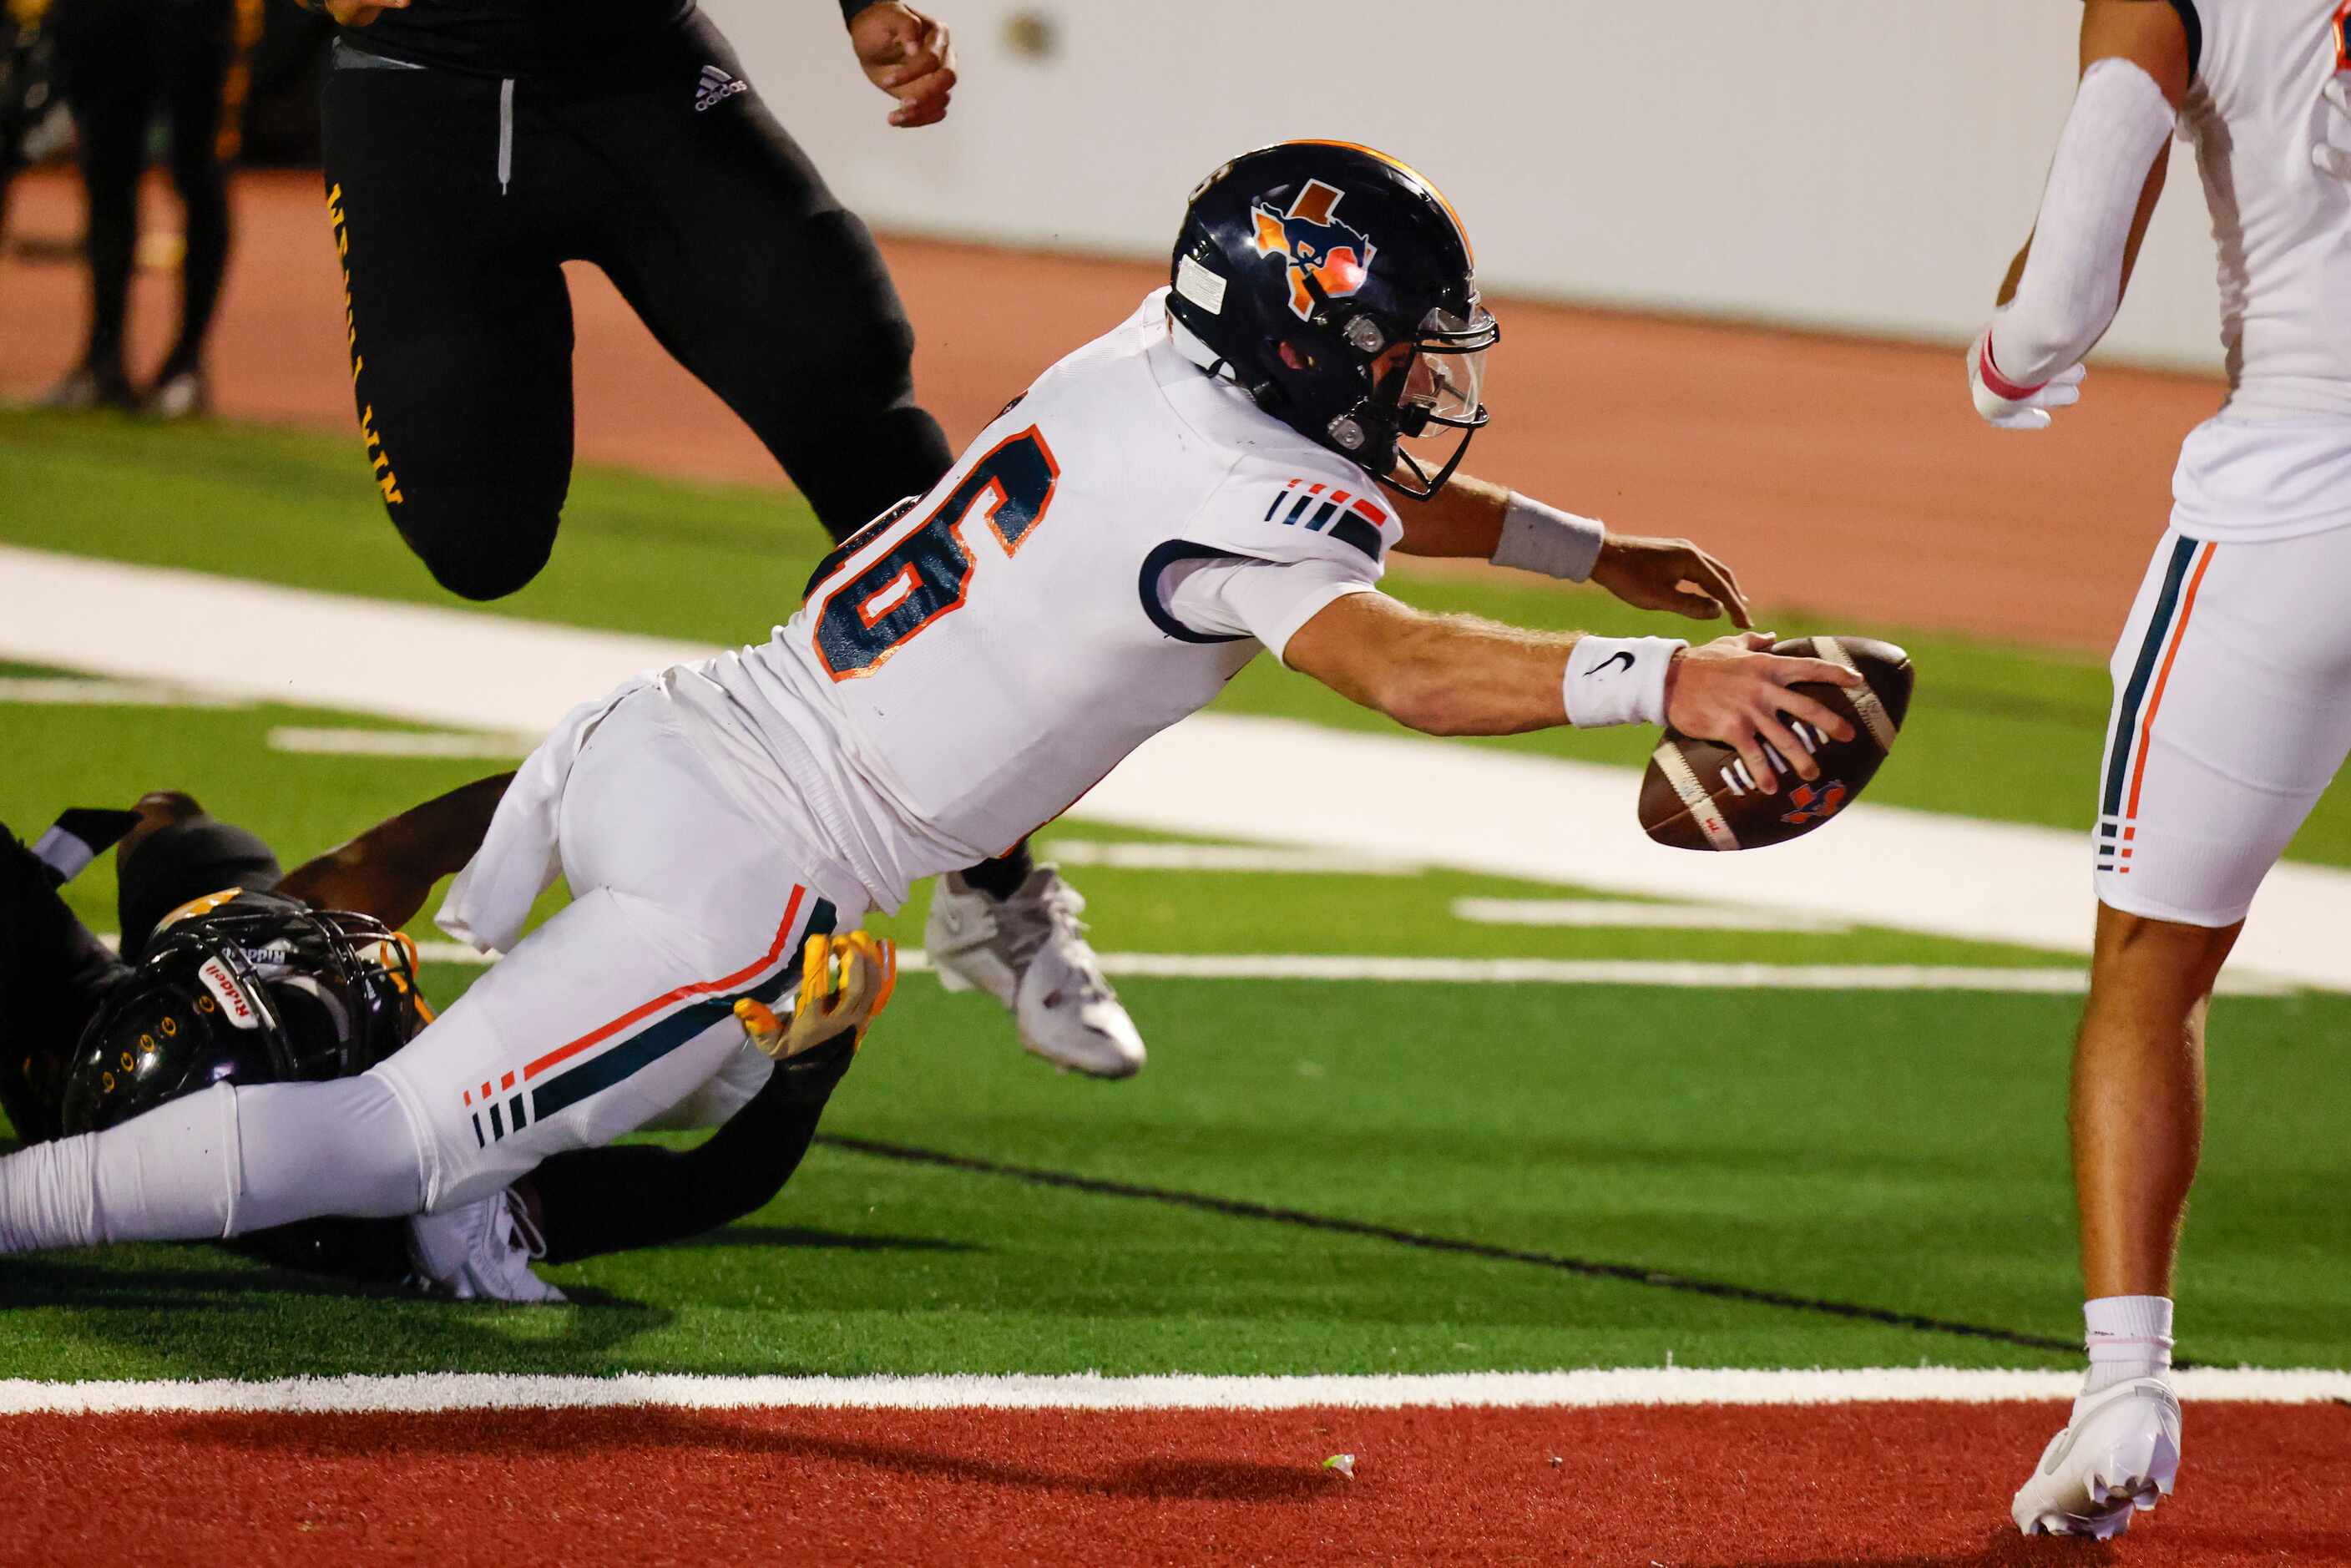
[1732,691]
[1670,574]
[908,55]
[2007,406]
[845,982]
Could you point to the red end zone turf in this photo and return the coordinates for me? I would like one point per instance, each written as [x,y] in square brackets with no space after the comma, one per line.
[1910,1484]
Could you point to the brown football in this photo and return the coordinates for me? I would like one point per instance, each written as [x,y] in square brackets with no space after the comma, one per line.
[1698,795]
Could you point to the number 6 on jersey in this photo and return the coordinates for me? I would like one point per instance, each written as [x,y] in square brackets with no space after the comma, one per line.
[925,575]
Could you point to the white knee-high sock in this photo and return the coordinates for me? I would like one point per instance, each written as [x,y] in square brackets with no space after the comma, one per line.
[168,1176]
[345,1148]
[220,1162]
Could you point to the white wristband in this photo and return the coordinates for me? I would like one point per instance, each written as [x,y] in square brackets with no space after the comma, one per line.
[1536,538]
[1618,680]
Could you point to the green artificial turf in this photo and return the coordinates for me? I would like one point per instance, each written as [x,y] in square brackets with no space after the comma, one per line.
[1898,1152]
[1904,1156]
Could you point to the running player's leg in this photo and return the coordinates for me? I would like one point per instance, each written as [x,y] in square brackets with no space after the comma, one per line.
[109,83]
[2229,719]
[199,68]
[460,324]
[728,245]
[689,906]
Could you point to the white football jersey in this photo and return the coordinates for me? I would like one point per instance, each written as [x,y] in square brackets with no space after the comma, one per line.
[2276,461]
[969,666]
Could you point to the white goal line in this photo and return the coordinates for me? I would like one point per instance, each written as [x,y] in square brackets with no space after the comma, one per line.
[1586,1389]
[1667,972]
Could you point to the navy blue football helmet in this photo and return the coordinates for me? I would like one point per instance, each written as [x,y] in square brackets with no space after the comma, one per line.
[1303,266]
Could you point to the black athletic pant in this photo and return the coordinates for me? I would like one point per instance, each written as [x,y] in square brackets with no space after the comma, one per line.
[457,198]
[123,63]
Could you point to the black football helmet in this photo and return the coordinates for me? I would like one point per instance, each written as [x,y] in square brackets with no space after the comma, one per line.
[256,989]
[1303,263]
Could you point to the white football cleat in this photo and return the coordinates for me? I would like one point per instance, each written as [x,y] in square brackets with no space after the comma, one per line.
[480,1251]
[1029,952]
[2117,1456]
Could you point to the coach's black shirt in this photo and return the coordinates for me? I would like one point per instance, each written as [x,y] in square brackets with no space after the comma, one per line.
[528,38]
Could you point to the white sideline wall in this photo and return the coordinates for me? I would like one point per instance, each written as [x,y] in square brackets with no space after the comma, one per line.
[1866,165]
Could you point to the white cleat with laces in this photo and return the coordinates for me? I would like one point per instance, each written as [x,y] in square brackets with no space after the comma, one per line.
[2117,1456]
[1029,952]
[480,1251]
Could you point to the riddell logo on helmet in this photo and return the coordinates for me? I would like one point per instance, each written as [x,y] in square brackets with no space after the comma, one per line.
[217,980]
[1336,255]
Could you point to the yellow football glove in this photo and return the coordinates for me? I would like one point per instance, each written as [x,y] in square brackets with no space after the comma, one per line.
[845,982]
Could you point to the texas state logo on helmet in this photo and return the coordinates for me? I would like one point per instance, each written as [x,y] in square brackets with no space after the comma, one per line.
[1305,266]
[1314,244]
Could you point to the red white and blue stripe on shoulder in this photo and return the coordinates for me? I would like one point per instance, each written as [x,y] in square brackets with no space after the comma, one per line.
[1318,505]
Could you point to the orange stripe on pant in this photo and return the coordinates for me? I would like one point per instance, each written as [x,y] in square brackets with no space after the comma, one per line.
[2162,679]
[562,1053]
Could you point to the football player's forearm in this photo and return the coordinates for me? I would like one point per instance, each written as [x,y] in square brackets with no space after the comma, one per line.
[1477,519]
[616,1197]
[1465,675]
[1464,519]
[2015,275]
[2064,288]
[1449,675]
[389,871]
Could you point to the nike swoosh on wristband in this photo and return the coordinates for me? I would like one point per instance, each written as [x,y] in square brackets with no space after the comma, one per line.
[1619,654]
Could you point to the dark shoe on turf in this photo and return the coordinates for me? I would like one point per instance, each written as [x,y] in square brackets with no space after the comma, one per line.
[89,389]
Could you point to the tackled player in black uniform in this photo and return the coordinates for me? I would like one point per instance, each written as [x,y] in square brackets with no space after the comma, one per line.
[232,969]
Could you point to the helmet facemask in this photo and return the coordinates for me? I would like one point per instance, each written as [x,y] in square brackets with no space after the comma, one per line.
[1438,385]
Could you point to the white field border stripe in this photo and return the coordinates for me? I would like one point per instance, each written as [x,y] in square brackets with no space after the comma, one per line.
[75,690]
[1667,972]
[322,741]
[1588,1389]
[1125,855]
[1584,914]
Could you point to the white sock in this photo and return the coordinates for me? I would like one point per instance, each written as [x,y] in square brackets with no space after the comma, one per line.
[220,1162]
[169,1175]
[2128,1337]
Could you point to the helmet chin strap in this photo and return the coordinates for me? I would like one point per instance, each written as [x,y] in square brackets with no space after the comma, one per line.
[1428,485]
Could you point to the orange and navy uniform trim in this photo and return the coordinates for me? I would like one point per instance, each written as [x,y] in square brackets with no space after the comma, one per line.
[1351,520]
[515,1099]
[2142,700]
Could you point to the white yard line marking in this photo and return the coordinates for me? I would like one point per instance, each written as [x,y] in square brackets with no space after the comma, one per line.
[324,742]
[1585,1389]
[419,662]
[1672,973]
[1535,818]
[74,690]
[1604,913]
[1541,818]
[1222,857]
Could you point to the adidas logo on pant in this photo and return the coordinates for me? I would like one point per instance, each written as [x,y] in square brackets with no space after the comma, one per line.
[716,88]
